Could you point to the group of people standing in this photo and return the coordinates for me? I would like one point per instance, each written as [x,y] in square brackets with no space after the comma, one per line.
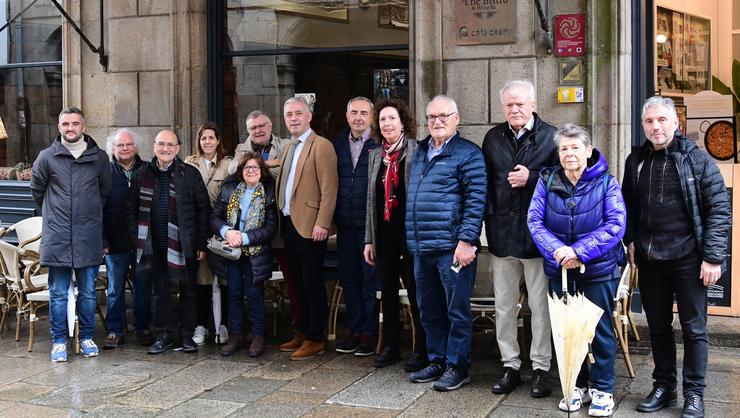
[408,214]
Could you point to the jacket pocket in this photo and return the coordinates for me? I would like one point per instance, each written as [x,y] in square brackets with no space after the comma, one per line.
[312,204]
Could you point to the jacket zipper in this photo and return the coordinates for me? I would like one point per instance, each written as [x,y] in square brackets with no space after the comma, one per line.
[650,198]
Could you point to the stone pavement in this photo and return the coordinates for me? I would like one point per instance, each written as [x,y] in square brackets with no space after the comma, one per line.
[128,382]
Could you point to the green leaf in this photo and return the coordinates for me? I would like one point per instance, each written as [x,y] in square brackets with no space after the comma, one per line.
[736,76]
[719,86]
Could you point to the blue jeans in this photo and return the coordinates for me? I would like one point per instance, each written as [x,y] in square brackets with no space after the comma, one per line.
[359,281]
[444,306]
[59,278]
[241,286]
[604,345]
[117,266]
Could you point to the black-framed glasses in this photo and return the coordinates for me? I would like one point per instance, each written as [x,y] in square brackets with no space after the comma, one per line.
[252,168]
[443,117]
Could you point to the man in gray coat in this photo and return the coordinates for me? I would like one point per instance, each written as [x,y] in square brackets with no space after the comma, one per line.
[71,181]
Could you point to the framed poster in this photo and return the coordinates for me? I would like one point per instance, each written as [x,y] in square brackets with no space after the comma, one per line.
[682,52]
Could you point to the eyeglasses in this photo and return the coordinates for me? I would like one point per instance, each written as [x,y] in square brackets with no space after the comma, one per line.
[125,145]
[252,168]
[166,145]
[443,117]
[257,127]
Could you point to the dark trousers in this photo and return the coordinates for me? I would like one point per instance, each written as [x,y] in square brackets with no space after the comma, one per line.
[306,258]
[295,307]
[393,261]
[204,296]
[359,281]
[659,282]
[604,345]
[241,286]
[154,268]
[444,303]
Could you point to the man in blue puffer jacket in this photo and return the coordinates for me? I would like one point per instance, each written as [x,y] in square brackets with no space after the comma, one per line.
[444,214]
[577,217]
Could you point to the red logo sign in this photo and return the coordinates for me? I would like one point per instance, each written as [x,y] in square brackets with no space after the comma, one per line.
[570,35]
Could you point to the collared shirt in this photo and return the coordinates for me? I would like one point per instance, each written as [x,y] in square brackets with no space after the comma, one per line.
[291,174]
[433,151]
[356,145]
[526,128]
[209,164]
[165,168]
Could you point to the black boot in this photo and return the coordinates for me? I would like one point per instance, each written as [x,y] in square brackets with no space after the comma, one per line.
[387,356]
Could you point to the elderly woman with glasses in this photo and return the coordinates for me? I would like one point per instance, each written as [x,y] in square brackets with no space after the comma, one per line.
[577,217]
[245,216]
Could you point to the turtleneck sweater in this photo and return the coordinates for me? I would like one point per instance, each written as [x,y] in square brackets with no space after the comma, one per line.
[75,148]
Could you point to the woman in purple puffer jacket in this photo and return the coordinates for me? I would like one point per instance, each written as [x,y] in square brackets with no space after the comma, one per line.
[577,216]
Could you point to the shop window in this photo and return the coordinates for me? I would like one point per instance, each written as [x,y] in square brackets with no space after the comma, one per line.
[330,50]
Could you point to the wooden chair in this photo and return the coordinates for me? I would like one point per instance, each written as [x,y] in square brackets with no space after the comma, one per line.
[19,283]
[622,315]
[334,311]
[28,232]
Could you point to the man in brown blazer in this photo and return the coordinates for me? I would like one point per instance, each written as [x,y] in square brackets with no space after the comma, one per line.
[307,195]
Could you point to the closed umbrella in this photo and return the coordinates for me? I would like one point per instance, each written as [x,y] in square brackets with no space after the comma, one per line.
[71,306]
[573,319]
[216,297]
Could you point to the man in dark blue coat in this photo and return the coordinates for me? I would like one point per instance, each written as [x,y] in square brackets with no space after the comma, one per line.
[125,161]
[444,214]
[71,182]
[359,280]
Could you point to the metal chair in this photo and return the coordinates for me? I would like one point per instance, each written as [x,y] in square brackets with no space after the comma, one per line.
[334,311]
[408,318]
[275,290]
[19,281]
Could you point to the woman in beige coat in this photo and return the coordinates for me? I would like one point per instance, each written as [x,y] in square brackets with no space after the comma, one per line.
[213,165]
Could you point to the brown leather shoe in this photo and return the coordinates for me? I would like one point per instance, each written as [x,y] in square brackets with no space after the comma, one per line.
[309,349]
[293,344]
[232,346]
[112,341]
[257,347]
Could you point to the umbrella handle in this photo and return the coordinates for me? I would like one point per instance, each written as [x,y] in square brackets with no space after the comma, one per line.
[564,278]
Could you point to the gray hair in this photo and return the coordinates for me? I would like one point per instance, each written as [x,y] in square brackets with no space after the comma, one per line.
[524,85]
[447,99]
[297,100]
[659,101]
[72,111]
[572,131]
[360,99]
[112,139]
[257,113]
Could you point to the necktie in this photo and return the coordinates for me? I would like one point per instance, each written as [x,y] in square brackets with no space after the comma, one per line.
[287,162]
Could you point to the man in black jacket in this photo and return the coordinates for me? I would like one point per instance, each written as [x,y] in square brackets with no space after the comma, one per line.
[167,216]
[125,161]
[515,153]
[678,218]
[359,280]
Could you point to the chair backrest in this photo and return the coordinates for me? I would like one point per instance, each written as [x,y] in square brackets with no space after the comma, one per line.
[11,262]
[28,232]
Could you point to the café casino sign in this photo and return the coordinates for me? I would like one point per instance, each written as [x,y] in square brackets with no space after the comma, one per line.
[485,22]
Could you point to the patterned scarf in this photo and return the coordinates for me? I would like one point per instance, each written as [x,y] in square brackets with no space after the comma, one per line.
[392,156]
[255,213]
[175,257]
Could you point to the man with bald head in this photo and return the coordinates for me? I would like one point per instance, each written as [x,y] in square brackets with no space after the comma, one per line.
[167,216]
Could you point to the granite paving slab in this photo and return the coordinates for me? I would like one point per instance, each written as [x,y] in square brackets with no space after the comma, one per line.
[151,369]
[524,412]
[283,368]
[472,400]
[243,389]
[15,369]
[20,391]
[94,391]
[327,411]
[348,360]
[372,391]
[281,404]
[184,384]
[203,408]
[326,381]
[112,410]
[23,410]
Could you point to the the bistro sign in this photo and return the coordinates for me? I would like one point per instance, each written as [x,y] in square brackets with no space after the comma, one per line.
[485,22]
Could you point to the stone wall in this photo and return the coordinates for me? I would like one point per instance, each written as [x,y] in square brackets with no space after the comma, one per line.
[157,71]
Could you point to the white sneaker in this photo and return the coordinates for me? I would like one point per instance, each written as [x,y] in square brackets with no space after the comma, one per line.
[602,404]
[200,334]
[222,336]
[581,396]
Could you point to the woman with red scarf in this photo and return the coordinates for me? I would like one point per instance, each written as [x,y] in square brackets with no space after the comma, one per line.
[385,237]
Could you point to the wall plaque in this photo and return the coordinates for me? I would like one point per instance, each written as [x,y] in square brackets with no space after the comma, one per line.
[485,22]
[570,35]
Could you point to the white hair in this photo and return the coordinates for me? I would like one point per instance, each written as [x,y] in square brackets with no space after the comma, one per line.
[112,139]
[524,85]
[447,99]
[297,100]
[659,101]
[360,99]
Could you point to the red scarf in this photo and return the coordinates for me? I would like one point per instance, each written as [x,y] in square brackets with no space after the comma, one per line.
[392,155]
